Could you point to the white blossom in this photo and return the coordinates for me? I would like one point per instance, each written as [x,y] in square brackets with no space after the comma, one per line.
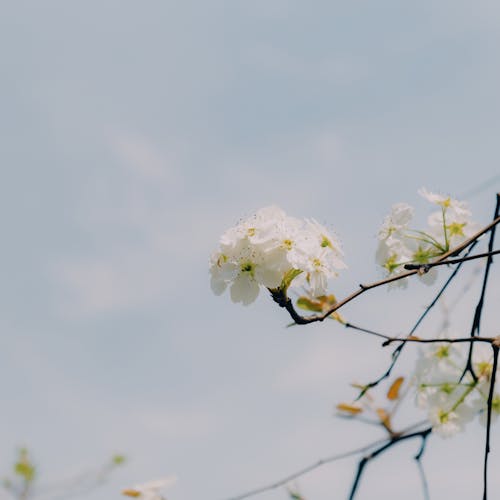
[261,249]
[399,244]
[150,490]
[451,397]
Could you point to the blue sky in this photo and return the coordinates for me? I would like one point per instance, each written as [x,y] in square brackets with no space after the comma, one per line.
[132,135]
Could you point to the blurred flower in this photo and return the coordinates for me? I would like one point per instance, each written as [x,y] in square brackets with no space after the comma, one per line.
[150,490]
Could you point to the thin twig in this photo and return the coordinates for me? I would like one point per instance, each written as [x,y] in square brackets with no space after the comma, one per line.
[488,420]
[365,460]
[426,267]
[418,459]
[325,461]
[469,340]
[389,340]
[307,469]
[476,322]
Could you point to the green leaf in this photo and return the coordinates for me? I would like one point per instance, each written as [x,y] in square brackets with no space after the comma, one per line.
[23,467]
[25,470]
[309,304]
[118,459]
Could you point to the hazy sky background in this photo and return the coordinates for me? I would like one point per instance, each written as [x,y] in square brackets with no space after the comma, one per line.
[134,133]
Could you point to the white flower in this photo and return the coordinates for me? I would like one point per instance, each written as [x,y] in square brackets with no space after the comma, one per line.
[245,267]
[317,266]
[258,228]
[399,218]
[446,423]
[263,248]
[437,199]
[150,490]
[399,244]
[481,406]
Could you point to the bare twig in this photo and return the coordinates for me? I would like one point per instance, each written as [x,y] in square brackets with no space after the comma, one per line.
[488,420]
[366,459]
[389,340]
[426,267]
[418,459]
[328,460]
[307,469]
[476,322]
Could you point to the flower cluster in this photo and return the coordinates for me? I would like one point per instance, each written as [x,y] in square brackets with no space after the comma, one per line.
[271,249]
[451,398]
[446,228]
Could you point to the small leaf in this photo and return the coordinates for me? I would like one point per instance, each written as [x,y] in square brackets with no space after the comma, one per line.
[413,337]
[393,392]
[295,496]
[337,317]
[131,493]
[23,467]
[118,459]
[352,409]
[384,417]
[26,470]
[309,304]
[327,300]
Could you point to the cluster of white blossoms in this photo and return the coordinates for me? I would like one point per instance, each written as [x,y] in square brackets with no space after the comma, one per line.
[450,398]
[446,228]
[270,249]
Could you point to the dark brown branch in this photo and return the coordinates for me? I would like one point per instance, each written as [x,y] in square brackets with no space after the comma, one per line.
[495,346]
[476,322]
[426,267]
[418,459]
[307,469]
[389,340]
[469,340]
[374,454]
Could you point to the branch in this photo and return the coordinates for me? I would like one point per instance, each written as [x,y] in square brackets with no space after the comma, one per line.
[327,460]
[489,340]
[284,301]
[307,469]
[389,340]
[364,461]
[418,459]
[426,267]
[495,346]
[476,322]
